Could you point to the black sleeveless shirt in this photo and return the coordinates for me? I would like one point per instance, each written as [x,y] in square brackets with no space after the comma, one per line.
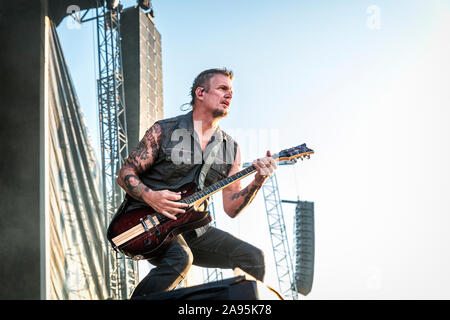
[180,157]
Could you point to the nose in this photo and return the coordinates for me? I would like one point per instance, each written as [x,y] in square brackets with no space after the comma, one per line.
[229,94]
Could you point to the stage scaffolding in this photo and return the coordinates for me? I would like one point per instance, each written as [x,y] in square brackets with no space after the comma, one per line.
[212,274]
[122,271]
[278,236]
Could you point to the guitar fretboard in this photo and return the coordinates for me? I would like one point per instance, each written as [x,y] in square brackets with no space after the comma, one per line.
[218,185]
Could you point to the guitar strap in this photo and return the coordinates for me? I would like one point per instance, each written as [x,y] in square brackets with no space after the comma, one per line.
[208,162]
[202,176]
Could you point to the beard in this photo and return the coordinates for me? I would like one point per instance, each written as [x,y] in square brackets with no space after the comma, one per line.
[220,113]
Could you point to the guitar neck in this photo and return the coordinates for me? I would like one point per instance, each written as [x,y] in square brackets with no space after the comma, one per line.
[208,191]
[216,187]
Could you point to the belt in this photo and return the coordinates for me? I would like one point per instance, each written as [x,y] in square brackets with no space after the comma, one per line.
[196,233]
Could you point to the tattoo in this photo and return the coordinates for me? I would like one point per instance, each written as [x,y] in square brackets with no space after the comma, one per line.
[139,161]
[241,193]
[147,150]
[249,196]
[134,186]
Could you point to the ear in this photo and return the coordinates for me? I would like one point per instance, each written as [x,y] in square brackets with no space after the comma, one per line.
[199,91]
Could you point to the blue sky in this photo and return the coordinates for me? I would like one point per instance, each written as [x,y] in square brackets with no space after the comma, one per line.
[373,103]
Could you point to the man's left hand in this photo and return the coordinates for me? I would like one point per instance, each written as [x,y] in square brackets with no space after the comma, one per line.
[264,168]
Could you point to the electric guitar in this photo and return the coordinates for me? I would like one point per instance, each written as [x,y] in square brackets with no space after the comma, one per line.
[142,233]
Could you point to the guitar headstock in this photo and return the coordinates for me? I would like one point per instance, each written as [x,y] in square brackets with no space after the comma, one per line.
[292,154]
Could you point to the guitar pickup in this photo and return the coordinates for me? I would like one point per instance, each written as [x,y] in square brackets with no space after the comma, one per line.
[154,221]
[144,224]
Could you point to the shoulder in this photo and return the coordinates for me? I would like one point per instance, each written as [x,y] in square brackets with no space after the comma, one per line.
[172,119]
[170,123]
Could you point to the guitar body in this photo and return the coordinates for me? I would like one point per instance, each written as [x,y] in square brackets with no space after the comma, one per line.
[155,238]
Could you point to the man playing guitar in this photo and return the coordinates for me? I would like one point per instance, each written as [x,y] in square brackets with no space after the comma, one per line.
[162,163]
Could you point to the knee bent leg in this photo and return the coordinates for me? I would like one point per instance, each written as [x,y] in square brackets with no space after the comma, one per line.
[251,260]
[185,262]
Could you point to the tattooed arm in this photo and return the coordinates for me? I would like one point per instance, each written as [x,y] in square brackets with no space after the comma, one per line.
[140,160]
[236,199]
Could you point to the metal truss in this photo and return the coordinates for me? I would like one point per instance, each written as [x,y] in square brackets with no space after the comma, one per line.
[280,244]
[278,236]
[121,271]
[212,274]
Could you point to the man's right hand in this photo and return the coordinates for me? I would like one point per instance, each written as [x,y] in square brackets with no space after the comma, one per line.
[165,202]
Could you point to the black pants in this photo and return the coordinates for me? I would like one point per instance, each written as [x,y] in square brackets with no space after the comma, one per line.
[214,249]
